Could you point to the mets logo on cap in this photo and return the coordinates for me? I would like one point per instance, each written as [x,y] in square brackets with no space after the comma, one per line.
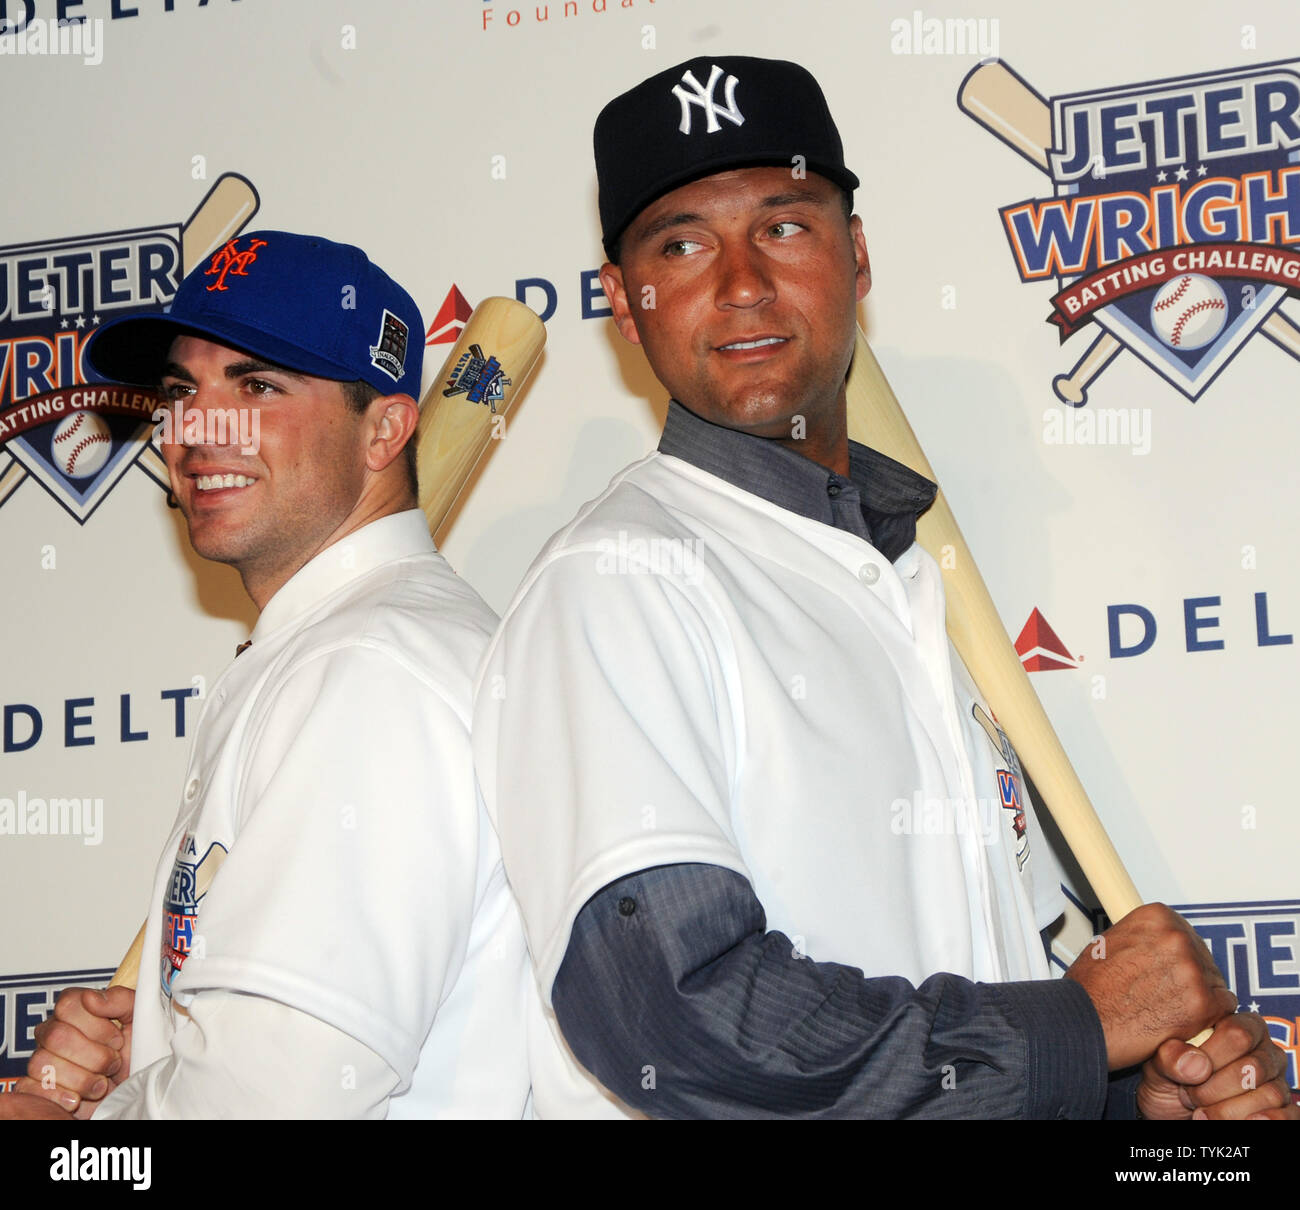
[1176,216]
[230,259]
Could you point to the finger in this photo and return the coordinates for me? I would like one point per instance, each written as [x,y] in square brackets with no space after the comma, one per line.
[1262,1066]
[46,1070]
[1273,1095]
[72,1011]
[1235,1037]
[1289,1113]
[63,1097]
[114,1003]
[70,1057]
[1180,1063]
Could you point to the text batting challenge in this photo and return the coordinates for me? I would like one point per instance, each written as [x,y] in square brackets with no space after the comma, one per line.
[1176,213]
[53,295]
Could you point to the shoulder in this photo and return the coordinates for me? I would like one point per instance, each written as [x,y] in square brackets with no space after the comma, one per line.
[409,625]
[650,517]
[638,539]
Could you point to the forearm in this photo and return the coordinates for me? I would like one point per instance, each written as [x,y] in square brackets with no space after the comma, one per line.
[685,1006]
[244,1056]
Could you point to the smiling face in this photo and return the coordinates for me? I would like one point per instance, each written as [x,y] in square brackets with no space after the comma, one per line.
[742,289]
[267,513]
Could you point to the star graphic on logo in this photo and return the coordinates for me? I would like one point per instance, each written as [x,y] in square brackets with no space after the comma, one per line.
[1162,175]
[81,321]
[1201,170]
[1254,1006]
[1181,174]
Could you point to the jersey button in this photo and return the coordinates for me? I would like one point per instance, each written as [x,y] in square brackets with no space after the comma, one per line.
[626,906]
[191,789]
[868,573]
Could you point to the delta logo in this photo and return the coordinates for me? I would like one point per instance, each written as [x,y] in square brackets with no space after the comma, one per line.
[453,314]
[1176,216]
[1039,647]
[63,427]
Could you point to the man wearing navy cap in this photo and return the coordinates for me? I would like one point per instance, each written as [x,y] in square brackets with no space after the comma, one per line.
[330,934]
[757,817]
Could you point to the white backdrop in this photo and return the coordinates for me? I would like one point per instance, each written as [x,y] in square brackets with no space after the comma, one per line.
[453,141]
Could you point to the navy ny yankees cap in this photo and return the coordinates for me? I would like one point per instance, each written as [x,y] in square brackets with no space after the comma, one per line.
[302,302]
[704,116]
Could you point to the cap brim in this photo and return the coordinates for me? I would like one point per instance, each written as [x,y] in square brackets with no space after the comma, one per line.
[134,349]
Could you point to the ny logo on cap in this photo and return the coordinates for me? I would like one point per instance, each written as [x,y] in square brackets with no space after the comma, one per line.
[703,97]
[229,259]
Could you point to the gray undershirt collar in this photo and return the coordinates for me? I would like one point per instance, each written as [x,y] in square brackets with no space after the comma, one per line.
[879,502]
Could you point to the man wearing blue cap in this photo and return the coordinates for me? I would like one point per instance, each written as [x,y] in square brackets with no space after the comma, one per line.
[773,856]
[330,934]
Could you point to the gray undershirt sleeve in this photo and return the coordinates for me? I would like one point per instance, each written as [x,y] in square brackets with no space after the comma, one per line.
[676,997]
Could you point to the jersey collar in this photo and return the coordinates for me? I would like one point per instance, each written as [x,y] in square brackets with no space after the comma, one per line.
[396,536]
[880,500]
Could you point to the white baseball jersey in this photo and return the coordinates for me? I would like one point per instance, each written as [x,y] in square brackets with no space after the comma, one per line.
[692,674]
[332,890]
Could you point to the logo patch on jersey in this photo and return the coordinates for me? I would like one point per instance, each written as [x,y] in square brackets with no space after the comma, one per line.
[191,877]
[1176,216]
[479,377]
[389,355]
[1009,782]
[76,437]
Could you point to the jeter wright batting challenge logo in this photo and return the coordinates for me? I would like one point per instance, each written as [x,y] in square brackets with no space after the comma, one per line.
[76,436]
[191,878]
[479,377]
[1176,218]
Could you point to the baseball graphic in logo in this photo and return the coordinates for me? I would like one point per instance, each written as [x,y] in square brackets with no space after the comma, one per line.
[1189,311]
[81,445]
[1170,231]
[62,425]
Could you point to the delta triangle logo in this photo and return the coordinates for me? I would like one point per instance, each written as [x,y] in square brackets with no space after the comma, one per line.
[450,320]
[1040,649]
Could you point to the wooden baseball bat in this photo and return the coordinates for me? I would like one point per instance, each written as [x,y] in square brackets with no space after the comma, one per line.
[479,381]
[977,633]
[976,630]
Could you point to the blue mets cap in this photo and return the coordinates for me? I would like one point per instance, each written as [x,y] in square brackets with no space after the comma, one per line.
[302,302]
[704,116]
